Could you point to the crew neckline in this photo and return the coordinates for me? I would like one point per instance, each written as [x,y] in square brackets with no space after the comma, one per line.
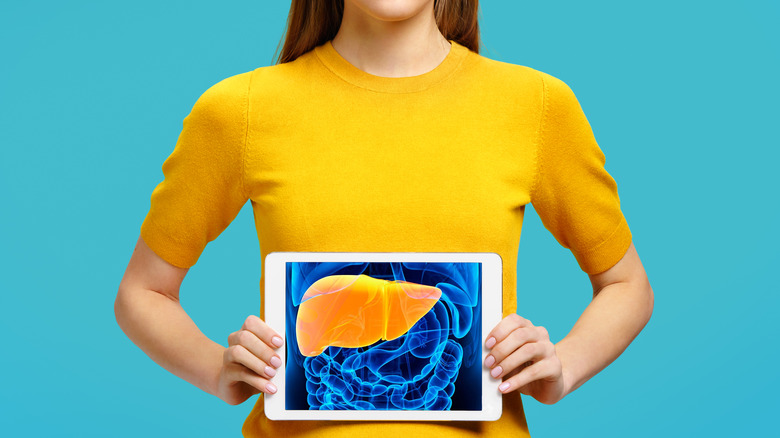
[406,84]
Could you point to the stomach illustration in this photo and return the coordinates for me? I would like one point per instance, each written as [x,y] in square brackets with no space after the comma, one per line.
[371,336]
[357,310]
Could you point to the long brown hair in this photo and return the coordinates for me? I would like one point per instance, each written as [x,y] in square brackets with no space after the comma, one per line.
[311,23]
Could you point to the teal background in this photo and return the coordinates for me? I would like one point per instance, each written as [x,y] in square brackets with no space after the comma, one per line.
[682,97]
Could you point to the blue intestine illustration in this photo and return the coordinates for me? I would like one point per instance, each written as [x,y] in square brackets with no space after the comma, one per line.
[433,366]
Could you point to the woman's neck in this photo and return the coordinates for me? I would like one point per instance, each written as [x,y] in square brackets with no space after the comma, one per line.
[390,43]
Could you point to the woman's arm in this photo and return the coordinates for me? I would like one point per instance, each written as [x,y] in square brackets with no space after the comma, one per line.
[147,309]
[522,354]
[621,307]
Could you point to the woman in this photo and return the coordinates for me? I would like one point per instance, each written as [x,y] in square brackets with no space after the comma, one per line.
[383,129]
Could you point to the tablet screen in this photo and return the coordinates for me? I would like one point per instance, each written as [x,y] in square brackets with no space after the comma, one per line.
[383,336]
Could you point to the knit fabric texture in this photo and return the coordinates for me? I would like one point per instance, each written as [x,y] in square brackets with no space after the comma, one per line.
[334,158]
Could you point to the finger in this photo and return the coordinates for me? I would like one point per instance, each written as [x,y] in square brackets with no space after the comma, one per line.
[543,333]
[529,352]
[517,370]
[509,344]
[257,347]
[240,355]
[538,370]
[242,374]
[505,327]
[263,331]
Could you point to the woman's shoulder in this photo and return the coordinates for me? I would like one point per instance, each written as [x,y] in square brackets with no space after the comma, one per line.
[230,90]
[510,75]
[225,92]
[272,76]
[552,88]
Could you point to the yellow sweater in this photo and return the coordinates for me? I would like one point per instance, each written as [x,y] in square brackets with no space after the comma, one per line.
[336,159]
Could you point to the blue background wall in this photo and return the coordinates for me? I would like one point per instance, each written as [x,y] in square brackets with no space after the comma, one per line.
[682,97]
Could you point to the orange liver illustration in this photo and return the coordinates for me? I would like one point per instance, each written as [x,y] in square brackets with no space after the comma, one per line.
[357,310]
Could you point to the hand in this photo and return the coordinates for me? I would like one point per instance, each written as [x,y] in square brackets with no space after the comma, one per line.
[524,354]
[249,362]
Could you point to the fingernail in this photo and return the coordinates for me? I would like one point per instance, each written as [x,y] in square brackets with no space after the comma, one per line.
[504,386]
[271,388]
[277,341]
[270,371]
[276,362]
[490,342]
[490,360]
[496,371]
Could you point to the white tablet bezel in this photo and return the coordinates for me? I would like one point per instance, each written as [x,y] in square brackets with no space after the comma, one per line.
[275,313]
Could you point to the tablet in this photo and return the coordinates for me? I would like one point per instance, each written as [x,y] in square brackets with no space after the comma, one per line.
[383,335]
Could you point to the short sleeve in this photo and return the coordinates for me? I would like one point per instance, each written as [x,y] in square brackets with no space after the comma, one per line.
[574,196]
[203,189]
